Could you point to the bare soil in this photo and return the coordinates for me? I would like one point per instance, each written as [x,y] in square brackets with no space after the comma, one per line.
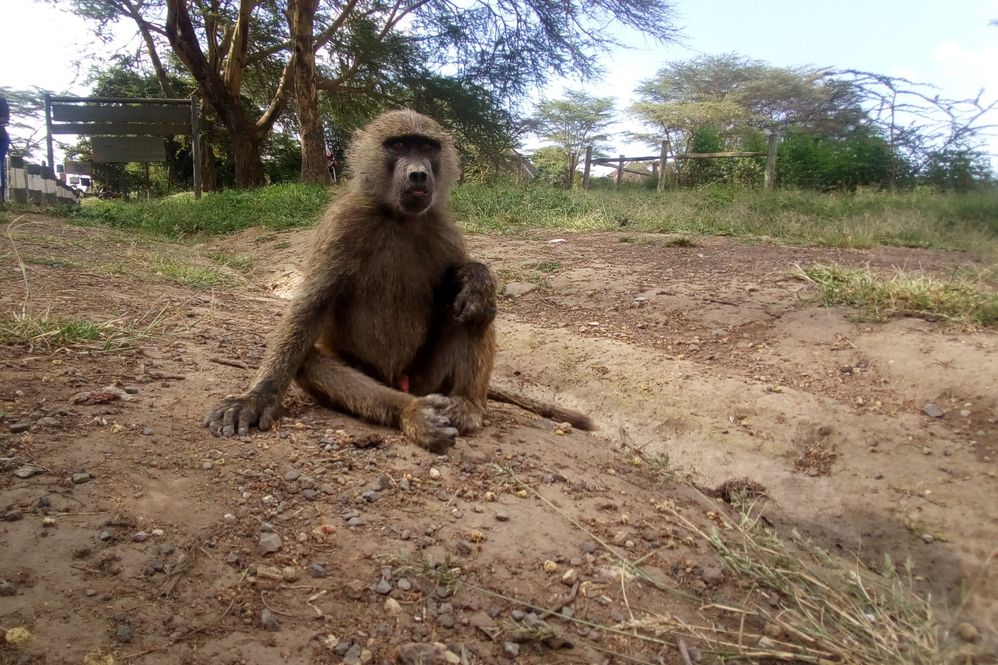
[700,364]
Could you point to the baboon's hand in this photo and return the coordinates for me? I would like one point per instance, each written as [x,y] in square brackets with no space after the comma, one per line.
[424,422]
[236,414]
[475,304]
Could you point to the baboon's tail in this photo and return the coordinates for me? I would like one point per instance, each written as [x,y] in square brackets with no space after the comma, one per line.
[576,419]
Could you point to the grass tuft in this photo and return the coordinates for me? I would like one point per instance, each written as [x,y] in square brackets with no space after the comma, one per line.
[46,331]
[965,298]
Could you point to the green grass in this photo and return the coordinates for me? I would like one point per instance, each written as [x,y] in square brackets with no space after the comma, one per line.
[235,261]
[47,331]
[190,274]
[860,220]
[216,213]
[964,298]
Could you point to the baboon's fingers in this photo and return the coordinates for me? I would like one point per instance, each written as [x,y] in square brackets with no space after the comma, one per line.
[268,416]
[229,420]
[247,416]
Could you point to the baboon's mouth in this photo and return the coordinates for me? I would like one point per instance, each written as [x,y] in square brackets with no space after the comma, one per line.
[419,193]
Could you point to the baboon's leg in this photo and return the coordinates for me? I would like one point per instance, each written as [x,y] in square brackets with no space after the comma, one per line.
[331,381]
[459,365]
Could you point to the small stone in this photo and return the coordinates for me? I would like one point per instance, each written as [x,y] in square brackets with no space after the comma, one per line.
[384,587]
[966,632]
[404,584]
[90,593]
[26,471]
[355,589]
[404,484]
[290,574]
[207,466]
[353,655]
[228,517]
[933,411]
[269,543]
[355,521]
[550,566]
[965,413]
[928,538]
[140,536]
[393,607]
[589,547]
[123,633]
[317,570]
[570,577]
[310,494]
[434,473]
[7,588]
[105,535]
[926,450]
[371,496]
[293,474]
[147,431]
[266,527]
[81,477]
[445,621]
[711,574]
[517,615]
[44,502]
[502,516]
[17,428]
[13,516]
[519,289]
[269,621]
[48,521]
[510,649]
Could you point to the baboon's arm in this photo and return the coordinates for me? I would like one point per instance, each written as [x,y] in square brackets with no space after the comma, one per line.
[475,302]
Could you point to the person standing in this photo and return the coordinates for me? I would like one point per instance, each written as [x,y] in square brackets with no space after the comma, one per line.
[4,146]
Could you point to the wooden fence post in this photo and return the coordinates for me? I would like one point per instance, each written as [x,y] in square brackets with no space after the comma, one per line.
[196,143]
[585,171]
[770,181]
[48,131]
[661,165]
[620,170]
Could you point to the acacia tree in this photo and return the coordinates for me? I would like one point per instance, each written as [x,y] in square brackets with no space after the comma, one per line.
[247,57]
[572,123]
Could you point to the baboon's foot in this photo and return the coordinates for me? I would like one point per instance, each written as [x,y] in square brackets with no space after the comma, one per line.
[425,422]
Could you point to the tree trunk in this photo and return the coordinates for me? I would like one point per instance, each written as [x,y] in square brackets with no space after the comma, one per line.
[301,20]
[246,159]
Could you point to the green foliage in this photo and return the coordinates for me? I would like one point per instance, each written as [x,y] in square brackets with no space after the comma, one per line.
[811,161]
[181,215]
[571,124]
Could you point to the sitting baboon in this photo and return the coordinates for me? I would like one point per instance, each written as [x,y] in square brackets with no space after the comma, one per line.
[392,321]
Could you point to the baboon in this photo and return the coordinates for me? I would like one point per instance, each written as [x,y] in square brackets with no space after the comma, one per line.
[392,322]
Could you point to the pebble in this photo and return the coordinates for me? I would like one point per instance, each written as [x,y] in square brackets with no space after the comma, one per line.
[44,502]
[510,649]
[371,496]
[293,474]
[404,584]
[502,516]
[404,484]
[147,431]
[317,570]
[570,577]
[966,631]
[393,607]
[384,587]
[415,653]
[310,494]
[519,289]
[90,593]
[290,574]
[140,536]
[7,588]
[17,428]
[269,621]
[123,633]
[589,547]
[517,615]
[48,521]
[27,471]
[13,516]
[81,477]
[353,655]
[229,517]
[269,543]
[434,473]
[928,538]
[355,589]
[933,411]
[445,621]
[355,521]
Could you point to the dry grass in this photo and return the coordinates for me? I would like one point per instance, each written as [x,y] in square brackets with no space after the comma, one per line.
[967,297]
[46,331]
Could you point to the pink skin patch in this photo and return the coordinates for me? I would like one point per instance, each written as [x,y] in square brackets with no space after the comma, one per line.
[404,383]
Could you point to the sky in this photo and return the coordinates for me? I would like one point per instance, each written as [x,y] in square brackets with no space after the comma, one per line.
[949,44]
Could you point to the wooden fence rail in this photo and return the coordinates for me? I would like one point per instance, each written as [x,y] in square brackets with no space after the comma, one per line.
[662,173]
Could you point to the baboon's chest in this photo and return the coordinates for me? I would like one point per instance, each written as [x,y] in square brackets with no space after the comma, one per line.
[388,308]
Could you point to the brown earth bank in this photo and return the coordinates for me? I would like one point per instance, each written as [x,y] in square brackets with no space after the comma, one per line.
[130,534]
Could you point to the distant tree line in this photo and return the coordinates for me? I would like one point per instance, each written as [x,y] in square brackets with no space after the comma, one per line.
[838,130]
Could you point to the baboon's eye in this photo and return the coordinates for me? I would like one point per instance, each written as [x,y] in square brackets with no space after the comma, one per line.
[426,147]
[398,146]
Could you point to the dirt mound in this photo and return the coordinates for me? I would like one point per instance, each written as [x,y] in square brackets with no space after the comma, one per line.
[129,531]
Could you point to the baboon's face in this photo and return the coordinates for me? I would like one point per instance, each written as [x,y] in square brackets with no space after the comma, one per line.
[412,163]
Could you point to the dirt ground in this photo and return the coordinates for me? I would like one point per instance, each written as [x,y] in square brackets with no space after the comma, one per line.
[138,537]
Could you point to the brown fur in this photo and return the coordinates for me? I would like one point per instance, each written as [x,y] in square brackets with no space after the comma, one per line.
[389,296]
